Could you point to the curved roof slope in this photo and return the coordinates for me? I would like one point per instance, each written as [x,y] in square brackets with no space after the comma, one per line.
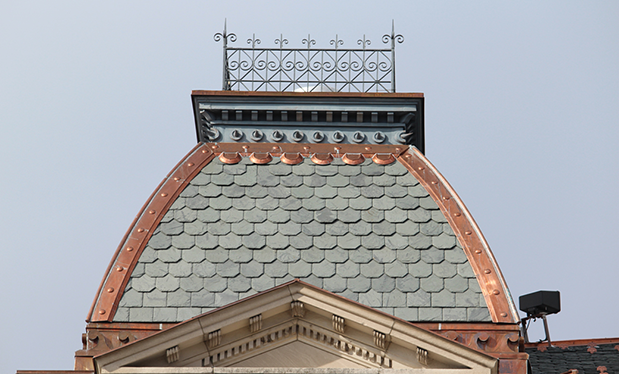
[369,232]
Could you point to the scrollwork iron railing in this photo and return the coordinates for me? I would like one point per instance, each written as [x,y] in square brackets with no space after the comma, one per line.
[334,69]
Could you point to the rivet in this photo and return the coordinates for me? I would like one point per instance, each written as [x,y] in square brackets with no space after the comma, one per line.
[408,156]
[164,194]
[129,249]
[214,146]
[446,197]
[420,168]
[120,268]
[151,212]
[496,292]
[176,179]
[478,251]
[467,233]
[306,148]
[434,182]
[245,147]
[457,214]
[398,150]
[102,311]
[368,148]
[110,290]
[503,314]
[140,230]
[337,148]
[190,164]
[204,151]
[487,271]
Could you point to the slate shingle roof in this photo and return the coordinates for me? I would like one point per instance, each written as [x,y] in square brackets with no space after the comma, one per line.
[587,359]
[368,232]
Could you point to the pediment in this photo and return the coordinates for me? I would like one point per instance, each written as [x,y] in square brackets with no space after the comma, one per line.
[295,325]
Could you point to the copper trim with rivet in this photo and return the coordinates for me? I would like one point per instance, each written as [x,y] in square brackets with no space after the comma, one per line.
[412,159]
[500,304]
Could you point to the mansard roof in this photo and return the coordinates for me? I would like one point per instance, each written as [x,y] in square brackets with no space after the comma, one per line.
[374,223]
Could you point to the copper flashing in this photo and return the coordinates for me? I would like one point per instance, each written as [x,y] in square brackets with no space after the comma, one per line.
[483,263]
[140,231]
[383,158]
[105,304]
[291,158]
[475,247]
[322,158]
[576,342]
[260,158]
[353,158]
[230,157]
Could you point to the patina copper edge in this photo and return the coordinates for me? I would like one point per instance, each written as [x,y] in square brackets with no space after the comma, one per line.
[485,267]
[128,253]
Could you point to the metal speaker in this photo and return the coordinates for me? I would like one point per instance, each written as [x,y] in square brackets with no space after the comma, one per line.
[540,303]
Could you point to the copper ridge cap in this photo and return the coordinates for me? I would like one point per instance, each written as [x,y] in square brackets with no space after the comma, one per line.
[307,94]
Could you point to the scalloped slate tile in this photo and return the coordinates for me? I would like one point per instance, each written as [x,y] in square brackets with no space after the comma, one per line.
[370,233]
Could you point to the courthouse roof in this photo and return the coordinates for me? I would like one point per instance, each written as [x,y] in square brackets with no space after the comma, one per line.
[376,224]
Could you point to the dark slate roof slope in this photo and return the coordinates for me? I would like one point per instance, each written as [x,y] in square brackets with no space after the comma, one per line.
[587,359]
[368,232]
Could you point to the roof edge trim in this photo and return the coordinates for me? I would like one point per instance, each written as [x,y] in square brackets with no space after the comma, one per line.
[123,261]
[476,248]
[133,243]
[317,94]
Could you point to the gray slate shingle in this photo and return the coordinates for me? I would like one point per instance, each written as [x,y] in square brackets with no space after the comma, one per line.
[370,233]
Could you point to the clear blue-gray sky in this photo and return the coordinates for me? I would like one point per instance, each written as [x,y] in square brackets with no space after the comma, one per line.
[522,108]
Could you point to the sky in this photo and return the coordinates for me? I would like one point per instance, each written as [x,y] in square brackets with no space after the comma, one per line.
[521,117]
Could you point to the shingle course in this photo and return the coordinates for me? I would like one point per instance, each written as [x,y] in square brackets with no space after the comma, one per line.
[370,233]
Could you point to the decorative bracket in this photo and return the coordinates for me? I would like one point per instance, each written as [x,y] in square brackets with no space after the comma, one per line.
[297,309]
[380,339]
[255,323]
[214,338]
[339,323]
[172,354]
[422,356]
